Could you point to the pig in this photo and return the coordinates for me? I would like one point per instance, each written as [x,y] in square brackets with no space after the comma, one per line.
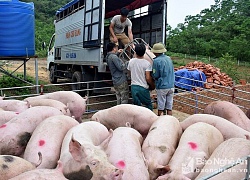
[6,116]
[42,174]
[196,145]
[52,103]
[138,117]
[124,151]
[229,111]
[11,166]
[149,56]
[83,156]
[160,143]
[14,105]
[47,138]
[221,124]
[225,154]
[15,134]
[75,103]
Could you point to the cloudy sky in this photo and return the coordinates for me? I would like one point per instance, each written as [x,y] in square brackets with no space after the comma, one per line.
[179,9]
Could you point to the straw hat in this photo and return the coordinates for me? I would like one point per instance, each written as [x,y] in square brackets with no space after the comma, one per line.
[158,48]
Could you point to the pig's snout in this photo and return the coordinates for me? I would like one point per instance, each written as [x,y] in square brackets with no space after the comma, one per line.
[117,175]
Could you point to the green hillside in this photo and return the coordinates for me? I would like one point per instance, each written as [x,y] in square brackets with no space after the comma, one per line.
[44,15]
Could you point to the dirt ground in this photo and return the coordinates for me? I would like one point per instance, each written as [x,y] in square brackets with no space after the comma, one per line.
[43,75]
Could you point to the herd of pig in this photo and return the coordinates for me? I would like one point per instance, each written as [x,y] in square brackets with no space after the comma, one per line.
[43,137]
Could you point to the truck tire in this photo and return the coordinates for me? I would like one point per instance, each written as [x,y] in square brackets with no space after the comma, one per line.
[52,77]
[77,77]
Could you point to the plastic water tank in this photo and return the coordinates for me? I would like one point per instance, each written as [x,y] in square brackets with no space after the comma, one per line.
[17,28]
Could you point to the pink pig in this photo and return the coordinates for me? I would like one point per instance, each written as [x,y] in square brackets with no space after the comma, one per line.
[47,138]
[160,143]
[15,134]
[225,154]
[149,56]
[124,151]
[42,174]
[11,166]
[138,117]
[82,153]
[14,105]
[196,145]
[229,111]
[75,103]
[50,102]
[221,124]
[6,116]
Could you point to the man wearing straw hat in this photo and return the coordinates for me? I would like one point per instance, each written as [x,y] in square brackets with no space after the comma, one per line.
[163,73]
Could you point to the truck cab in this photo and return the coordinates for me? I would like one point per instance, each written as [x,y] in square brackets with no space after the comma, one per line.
[77,49]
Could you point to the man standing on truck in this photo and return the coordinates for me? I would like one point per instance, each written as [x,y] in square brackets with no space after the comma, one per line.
[117,26]
[117,67]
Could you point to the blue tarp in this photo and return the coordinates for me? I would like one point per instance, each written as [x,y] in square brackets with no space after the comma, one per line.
[185,79]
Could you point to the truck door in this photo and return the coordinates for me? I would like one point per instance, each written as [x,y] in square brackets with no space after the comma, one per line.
[93,28]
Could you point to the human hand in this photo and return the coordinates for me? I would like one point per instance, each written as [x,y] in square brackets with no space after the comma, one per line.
[115,39]
[120,50]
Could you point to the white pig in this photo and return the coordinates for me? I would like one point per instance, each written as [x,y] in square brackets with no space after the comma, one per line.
[82,154]
[221,124]
[75,103]
[225,154]
[124,151]
[229,111]
[196,145]
[50,102]
[139,118]
[15,134]
[149,56]
[160,143]
[47,138]
[11,166]
[42,174]
[5,116]
[14,105]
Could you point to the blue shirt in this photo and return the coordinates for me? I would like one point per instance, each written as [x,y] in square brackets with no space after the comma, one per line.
[163,72]
[117,67]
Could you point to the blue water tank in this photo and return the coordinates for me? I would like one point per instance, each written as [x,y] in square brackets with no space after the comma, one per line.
[17,28]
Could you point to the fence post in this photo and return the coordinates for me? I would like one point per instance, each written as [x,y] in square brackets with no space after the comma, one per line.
[36,70]
[87,96]
[196,102]
[248,168]
[233,91]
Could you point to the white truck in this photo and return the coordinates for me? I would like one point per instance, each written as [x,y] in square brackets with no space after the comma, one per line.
[77,49]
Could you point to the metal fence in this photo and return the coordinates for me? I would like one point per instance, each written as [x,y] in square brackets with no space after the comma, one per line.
[190,102]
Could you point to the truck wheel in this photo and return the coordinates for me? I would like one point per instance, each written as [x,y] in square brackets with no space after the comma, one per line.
[77,77]
[52,77]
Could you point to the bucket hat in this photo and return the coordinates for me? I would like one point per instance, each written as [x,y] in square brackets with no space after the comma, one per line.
[158,48]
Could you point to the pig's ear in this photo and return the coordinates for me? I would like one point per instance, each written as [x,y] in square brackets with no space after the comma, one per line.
[105,143]
[28,103]
[75,148]
[59,166]
[162,169]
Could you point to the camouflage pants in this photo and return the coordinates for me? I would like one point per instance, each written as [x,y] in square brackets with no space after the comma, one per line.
[122,93]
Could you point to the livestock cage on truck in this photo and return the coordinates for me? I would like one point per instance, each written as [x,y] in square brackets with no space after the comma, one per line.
[77,49]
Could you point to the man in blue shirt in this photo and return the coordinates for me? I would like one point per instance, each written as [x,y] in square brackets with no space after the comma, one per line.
[117,67]
[163,73]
